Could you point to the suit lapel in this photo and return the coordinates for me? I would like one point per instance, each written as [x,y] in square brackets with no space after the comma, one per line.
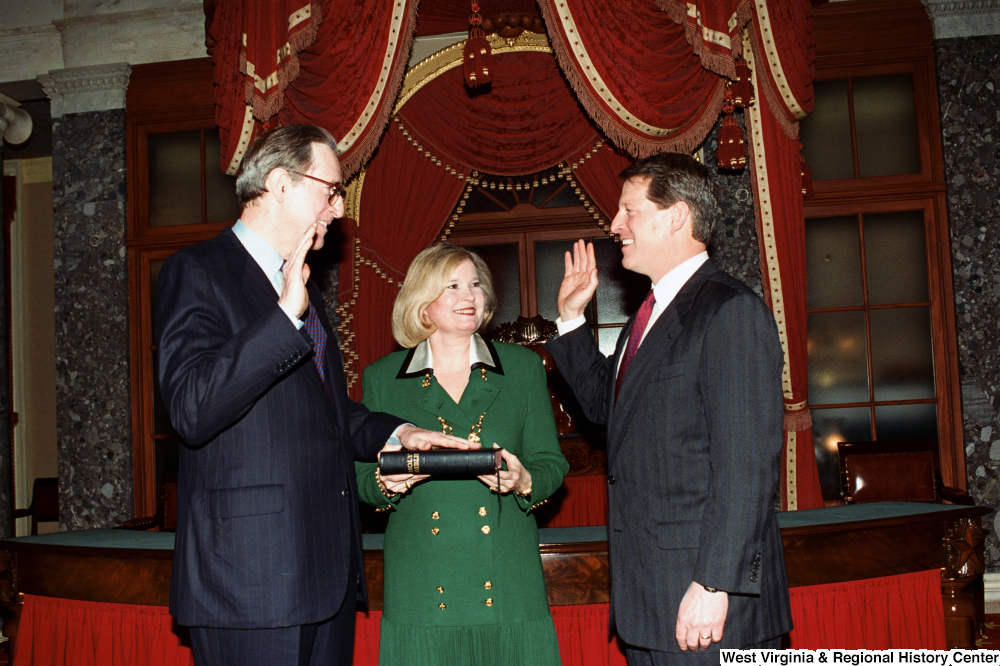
[661,337]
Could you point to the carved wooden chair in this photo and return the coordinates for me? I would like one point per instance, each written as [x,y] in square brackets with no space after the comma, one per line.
[894,471]
[165,518]
[44,507]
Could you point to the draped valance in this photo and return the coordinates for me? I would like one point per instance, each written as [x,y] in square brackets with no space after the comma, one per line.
[643,77]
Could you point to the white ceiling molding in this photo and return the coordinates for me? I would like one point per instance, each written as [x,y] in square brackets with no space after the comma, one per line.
[964,18]
[98,88]
[144,34]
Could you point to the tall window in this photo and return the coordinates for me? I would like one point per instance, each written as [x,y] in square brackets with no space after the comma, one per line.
[881,341]
[177,196]
[523,236]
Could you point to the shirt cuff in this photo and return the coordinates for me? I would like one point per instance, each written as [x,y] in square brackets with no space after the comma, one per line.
[295,320]
[394,437]
[565,327]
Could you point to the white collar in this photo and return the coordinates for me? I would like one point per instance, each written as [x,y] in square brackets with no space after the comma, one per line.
[421,359]
[666,289]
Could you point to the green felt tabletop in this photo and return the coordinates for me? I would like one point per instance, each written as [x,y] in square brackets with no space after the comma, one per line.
[111,538]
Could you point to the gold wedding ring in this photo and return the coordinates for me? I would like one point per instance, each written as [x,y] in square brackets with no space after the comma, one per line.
[408,486]
[705,638]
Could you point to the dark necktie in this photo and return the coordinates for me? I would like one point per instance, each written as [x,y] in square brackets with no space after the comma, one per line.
[634,337]
[316,331]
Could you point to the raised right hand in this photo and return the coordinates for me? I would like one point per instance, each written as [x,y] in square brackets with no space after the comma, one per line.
[294,294]
[579,281]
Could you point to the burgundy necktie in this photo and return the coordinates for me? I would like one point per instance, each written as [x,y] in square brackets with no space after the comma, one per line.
[634,337]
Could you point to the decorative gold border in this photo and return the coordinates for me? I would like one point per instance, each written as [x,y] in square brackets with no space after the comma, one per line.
[450,57]
[597,84]
[399,14]
[767,245]
[764,20]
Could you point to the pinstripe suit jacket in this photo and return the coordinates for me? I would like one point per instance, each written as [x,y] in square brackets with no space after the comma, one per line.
[267,514]
[694,447]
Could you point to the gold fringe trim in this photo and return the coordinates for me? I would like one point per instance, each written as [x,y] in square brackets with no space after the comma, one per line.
[365,146]
[713,61]
[267,106]
[614,127]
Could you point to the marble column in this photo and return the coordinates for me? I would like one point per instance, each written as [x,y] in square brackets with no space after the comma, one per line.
[968,73]
[91,295]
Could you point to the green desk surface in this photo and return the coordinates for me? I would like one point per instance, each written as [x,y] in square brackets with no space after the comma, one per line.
[110,538]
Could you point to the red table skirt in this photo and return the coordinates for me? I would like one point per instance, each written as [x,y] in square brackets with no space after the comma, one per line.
[894,612]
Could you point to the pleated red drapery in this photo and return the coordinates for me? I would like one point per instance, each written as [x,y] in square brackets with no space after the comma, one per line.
[403,201]
[634,73]
[775,159]
[713,28]
[281,55]
[895,612]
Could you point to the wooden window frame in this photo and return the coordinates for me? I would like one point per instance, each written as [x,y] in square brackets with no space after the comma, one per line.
[161,98]
[852,40]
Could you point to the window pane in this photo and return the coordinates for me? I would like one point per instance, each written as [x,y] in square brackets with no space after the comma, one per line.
[607,338]
[838,363]
[620,292]
[896,258]
[175,178]
[829,427]
[549,269]
[906,421]
[220,189]
[826,132]
[885,121]
[833,262]
[565,198]
[502,262]
[902,360]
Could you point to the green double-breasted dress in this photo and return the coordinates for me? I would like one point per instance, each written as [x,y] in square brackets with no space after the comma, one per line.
[463,578]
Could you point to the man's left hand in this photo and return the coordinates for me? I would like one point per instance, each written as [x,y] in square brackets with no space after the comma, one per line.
[701,617]
[412,437]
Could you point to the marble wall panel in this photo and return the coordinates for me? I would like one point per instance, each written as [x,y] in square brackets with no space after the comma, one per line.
[734,239]
[968,77]
[92,339]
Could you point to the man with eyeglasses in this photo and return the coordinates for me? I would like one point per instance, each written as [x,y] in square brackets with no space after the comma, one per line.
[268,560]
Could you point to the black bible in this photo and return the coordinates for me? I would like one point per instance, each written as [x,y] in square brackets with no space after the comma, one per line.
[471,462]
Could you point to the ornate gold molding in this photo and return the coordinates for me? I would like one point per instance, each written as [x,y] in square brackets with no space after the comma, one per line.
[448,58]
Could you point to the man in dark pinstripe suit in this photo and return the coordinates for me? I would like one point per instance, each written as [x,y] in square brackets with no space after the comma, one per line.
[268,559]
[693,406]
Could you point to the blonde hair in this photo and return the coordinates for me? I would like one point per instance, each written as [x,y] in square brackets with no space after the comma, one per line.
[425,282]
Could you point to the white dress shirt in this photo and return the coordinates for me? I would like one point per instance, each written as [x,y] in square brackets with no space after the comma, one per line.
[269,261]
[664,291]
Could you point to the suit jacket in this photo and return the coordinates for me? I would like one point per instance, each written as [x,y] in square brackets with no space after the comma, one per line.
[694,445]
[267,518]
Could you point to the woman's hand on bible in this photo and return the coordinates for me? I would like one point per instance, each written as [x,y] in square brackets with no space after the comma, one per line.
[513,479]
[401,483]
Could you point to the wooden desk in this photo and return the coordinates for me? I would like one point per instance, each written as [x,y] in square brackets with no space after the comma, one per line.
[827,545]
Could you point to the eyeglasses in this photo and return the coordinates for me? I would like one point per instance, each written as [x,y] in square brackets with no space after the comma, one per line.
[336,189]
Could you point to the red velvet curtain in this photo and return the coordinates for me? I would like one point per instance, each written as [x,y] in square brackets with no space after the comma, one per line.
[895,612]
[713,28]
[775,159]
[262,47]
[634,72]
[405,197]
[529,121]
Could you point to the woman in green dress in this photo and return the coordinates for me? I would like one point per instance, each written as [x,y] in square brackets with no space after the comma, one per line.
[463,575]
